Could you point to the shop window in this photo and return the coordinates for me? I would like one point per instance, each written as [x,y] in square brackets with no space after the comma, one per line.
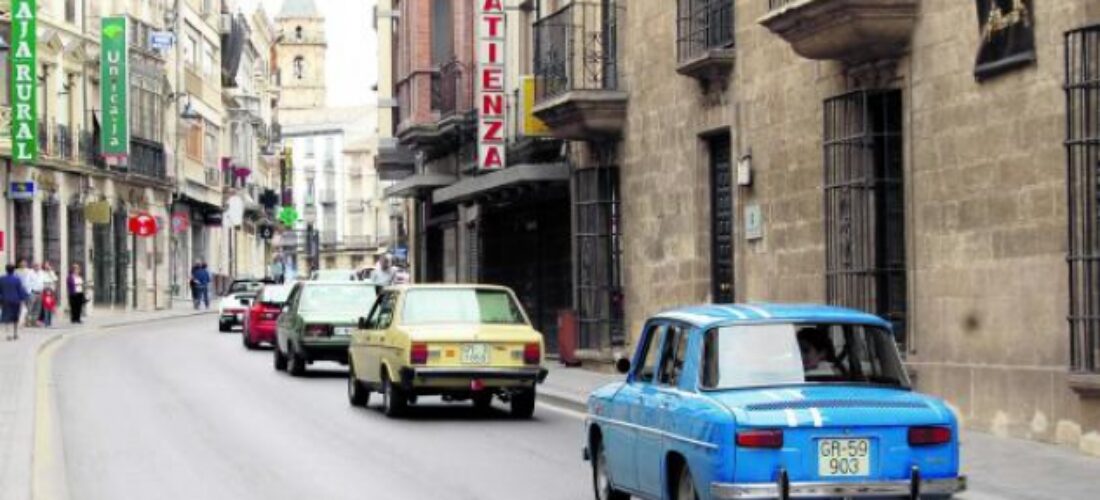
[864,205]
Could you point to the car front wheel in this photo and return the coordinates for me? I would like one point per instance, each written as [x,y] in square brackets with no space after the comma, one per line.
[601,480]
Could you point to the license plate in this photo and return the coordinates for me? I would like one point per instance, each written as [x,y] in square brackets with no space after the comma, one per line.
[843,457]
[239,317]
[342,330]
[475,354]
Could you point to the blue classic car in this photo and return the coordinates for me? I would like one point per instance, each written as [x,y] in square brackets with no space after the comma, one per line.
[769,401]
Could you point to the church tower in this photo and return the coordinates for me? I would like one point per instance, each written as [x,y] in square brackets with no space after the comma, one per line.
[301,55]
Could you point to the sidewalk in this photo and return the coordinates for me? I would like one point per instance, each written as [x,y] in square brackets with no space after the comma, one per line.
[998,468]
[17,386]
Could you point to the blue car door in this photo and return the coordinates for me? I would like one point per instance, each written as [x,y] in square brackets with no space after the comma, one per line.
[621,438]
[659,397]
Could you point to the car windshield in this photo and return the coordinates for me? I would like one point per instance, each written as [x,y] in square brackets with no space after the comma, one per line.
[784,354]
[337,298]
[244,286]
[274,294]
[461,306]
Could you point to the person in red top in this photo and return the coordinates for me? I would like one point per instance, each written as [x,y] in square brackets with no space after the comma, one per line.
[49,305]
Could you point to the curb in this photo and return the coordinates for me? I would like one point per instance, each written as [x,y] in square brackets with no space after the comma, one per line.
[561,400]
[151,320]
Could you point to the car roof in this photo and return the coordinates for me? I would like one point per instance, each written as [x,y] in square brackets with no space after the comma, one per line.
[714,315]
[452,286]
[335,282]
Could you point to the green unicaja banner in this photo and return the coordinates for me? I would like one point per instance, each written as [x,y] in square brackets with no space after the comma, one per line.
[24,81]
[114,85]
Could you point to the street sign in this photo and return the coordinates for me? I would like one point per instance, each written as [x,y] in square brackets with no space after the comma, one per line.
[114,85]
[754,222]
[180,222]
[21,190]
[23,58]
[161,40]
[288,216]
[142,224]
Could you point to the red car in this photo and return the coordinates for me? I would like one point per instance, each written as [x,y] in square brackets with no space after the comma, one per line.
[259,322]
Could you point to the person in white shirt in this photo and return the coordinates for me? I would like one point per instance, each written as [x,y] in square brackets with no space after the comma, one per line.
[49,277]
[35,285]
[383,272]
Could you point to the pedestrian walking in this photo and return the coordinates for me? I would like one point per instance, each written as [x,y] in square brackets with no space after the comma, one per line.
[35,285]
[49,306]
[75,287]
[200,278]
[12,296]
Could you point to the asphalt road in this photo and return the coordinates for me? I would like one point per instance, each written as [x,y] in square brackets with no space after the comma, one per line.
[175,410]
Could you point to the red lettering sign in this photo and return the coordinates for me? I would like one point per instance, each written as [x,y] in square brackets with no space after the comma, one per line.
[492,104]
[494,157]
[494,131]
[492,80]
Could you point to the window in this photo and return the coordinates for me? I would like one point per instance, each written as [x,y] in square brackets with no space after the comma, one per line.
[70,11]
[299,67]
[703,25]
[648,359]
[381,316]
[298,33]
[191,50]
[864,205]
[1082,150]
[599,251]
[672,355]
[194,142]
[337,298]
[309,147]
[470,305]
[330,149]
[442,32]
[210,146]
[208,59]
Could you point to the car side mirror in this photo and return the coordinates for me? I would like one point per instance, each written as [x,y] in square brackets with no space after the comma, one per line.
[622,365]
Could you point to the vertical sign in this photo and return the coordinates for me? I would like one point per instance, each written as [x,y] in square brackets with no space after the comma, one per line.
[115,82]
[492,116]
[24,79]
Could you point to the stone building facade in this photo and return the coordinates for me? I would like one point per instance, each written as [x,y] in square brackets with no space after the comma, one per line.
[954,224]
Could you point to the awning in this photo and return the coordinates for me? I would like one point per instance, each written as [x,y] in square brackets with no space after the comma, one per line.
[419,184]
[198,199]
[527,173]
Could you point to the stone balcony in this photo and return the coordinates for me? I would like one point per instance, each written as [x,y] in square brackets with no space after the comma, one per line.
[851,31]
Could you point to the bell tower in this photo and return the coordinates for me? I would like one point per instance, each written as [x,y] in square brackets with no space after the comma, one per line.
[301,55]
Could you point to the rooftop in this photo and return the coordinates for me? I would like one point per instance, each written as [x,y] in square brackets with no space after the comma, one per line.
[710,315]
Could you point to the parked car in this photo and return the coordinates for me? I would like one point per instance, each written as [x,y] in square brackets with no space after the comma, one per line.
[463,342]
[334,275]
[317,321]
[234,305]
[260,322]
[769,401]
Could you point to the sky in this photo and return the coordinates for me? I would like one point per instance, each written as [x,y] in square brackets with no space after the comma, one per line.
[351,66]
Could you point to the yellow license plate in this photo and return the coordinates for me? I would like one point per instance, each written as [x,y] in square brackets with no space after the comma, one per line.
[475,354]
[843,457]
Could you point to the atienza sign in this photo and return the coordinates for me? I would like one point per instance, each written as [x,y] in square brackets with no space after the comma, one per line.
[492,117]
[115,83]
[24,80]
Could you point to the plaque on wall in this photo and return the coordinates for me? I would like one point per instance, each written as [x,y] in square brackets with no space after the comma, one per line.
[1007,29]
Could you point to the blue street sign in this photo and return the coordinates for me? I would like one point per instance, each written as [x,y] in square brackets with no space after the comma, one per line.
[161,40]
[401,252]
[21,190]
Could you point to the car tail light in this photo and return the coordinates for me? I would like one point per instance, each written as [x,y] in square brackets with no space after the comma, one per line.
[764,438]
[318,330]
[926,436]
[532,353]
[270,314]
[418,354]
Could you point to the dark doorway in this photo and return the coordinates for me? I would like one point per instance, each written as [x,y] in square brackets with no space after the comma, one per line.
[77,247]
[51,233]
[103,264]
[122,256]
[24,231]
[721,220]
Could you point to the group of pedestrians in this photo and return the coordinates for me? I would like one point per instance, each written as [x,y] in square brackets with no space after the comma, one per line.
[29,296]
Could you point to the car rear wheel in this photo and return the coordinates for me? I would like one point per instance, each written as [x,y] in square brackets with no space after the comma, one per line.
[280,358]
[601,480]
[483,401]
[246,339]
[685,486]
[296,364]
[223,327]
[523,403]
[394,401]
[357,396]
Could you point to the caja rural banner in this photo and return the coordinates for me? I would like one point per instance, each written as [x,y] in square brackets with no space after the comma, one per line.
[24,81]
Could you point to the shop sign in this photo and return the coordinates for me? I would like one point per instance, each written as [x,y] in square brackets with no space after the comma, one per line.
[21,190]
[213,219]
[142,224]
[531,126]
[24,81]
[98,212]
[492,117]
[114,84]
[288,215]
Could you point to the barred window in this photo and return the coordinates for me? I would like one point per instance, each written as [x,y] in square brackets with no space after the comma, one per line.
[599,257]
[1082,68]
[864,205]
[703,25]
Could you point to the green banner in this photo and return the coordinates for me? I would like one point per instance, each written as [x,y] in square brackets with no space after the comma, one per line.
[114,85]
[24,81]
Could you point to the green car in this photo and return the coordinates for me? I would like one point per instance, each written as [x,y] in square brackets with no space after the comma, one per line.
[317,322]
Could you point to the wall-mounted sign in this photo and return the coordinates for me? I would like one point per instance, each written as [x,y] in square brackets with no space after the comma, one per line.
[492,115]
[754,222]
[267,232]
[288,215]
[1007,29]
[142,224]
[161,40]
[98,212]
[114,85]
[180,222]
[24,81]
[213,219]
[531,125]
[21,190]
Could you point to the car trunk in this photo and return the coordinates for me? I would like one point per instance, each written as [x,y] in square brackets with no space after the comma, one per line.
[838,433]
[477,345]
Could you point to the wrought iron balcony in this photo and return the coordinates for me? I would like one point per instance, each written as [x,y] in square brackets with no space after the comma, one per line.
[147,159]
[89,150]
[852,31]
[576,71]
[44,148]
[63,143]
[704,40]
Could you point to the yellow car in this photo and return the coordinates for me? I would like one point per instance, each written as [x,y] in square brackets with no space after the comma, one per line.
[461,342]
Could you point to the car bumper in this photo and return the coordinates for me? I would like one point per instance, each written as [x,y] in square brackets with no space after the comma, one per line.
[260,332]
[912,488]
[231,319]
[328,351]
[411,376]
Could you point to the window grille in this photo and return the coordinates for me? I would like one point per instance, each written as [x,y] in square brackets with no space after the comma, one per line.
[599,257]
[75,212]
[51,233]
[24,231]
[864,205]
[703,25]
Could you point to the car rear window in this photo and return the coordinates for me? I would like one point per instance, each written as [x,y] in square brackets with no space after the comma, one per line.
[337,298]
[785,354]
[461,306]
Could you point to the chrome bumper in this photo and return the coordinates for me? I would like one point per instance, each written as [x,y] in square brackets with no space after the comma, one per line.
[910,489]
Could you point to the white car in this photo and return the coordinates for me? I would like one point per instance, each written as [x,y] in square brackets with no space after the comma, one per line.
[233,307]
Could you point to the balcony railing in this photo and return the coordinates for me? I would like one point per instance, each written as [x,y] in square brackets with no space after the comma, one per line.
[89,150]
[329,237]
[703,25]
[44,140]
[63,143]
[576,49]
[147,159]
